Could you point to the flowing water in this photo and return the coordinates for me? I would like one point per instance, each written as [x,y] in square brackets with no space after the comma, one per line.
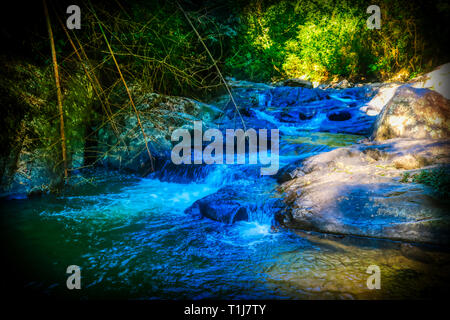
[132,239]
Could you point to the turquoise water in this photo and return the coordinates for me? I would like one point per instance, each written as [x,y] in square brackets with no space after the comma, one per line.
[133,239]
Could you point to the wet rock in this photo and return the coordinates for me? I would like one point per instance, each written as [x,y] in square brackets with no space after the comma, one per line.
[287,96]
[223,206]
[295,82]
[290,171]
[339,115]
[159,116]
[344,84]
[31,173]
[304,116]
[357,190]
[270,107]
[359,123]
[414,113]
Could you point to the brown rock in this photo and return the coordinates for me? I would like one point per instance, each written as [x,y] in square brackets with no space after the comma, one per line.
[297,83]
[409,162]
[414,113]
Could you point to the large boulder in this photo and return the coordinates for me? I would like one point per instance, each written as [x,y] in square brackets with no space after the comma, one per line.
[359,190]
[123,146]
[414,113]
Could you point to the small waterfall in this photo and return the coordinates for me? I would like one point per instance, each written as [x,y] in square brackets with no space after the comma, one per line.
[264,116]
[299,115]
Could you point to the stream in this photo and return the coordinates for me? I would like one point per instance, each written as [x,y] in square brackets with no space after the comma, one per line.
[133,239]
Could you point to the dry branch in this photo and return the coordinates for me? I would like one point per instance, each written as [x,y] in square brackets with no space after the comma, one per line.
[58,90]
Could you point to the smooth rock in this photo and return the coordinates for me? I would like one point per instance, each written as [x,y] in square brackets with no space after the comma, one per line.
[223,206]
[437,80]
[413,113]
[383,96]
[160,116]
[357,191]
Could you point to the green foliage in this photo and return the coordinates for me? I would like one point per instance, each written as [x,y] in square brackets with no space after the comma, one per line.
[324,47]
[438,179]
[405,177]
[330,40]
[258,53]
[156,47]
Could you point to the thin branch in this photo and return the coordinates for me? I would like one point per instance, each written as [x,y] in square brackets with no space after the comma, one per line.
[58,90]
[126,87]
[214,62]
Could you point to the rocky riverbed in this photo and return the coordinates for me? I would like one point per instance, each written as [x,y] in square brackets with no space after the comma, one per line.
[362,180]
[360,190]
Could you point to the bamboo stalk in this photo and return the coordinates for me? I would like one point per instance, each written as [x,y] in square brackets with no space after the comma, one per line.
[58,91]
[214,63]
[94,83]
[128,91]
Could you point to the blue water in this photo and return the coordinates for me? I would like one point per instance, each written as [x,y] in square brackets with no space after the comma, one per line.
[133,239]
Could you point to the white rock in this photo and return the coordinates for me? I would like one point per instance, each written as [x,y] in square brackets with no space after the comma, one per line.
[437,80]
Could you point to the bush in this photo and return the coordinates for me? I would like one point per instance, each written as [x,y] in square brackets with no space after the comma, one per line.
[438,179]
[330,40]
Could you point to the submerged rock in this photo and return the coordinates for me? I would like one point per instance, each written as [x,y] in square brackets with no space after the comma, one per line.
[358,191]
[223,206]
[306,115]
[339,115]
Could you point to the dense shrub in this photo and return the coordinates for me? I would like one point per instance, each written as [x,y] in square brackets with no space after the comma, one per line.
[324,40]
[158,51]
